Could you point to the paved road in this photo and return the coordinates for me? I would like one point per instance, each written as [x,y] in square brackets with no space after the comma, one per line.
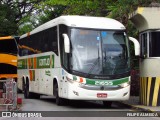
[48,104]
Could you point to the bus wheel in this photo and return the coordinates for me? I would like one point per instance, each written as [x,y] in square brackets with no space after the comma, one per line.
[23,85]
[59,101]
[26,91]
[27,94]
[107,103]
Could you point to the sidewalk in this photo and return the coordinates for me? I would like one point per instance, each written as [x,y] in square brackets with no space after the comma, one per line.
[134,102]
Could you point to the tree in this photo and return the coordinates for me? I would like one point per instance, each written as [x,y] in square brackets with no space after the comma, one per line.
[50,9]
[120,9]
[7,21]
[50,12]
[12,12]
[82,7]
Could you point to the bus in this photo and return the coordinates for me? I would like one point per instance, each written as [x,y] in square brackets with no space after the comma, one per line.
[76,58]
[8,58]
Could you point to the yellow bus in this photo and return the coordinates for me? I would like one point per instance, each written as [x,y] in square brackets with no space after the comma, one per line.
[8,58]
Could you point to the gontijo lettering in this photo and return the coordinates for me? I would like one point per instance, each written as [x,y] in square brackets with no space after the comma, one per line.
[44,62]
[20,63]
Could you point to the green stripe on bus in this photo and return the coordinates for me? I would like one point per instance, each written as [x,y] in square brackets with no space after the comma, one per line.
[22,64]
[43,62]
[52,61]
[115,82]
[37,62]
[74,77]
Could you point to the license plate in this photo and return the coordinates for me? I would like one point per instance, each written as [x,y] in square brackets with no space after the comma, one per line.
[101,95]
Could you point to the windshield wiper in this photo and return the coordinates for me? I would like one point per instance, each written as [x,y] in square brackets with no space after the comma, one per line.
[93,66]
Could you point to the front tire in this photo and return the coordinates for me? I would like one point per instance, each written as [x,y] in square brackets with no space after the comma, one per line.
[59,101]
[26,90]
[28,94]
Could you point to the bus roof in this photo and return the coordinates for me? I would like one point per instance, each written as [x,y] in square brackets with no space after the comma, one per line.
[80,22]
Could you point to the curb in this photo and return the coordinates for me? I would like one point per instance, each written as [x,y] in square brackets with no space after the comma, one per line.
[138,108]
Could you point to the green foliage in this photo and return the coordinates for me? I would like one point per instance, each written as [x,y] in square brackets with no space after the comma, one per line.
[12,13]
[26,24]
[78,7]
[120,9]
[7,21]
[51,9]
[50,13]
[20,13]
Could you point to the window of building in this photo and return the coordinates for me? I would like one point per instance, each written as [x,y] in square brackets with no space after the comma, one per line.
[154,50]
[143,43]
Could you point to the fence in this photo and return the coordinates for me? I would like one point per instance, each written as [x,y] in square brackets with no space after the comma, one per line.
[9,95]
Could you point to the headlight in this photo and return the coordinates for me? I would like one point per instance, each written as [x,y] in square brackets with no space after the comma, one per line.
[124,84]
[69,80]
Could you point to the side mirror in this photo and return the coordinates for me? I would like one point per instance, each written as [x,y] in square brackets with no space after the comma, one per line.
[136,45]
[66,43]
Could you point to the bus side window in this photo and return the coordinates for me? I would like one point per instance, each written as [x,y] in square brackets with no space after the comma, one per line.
[24,52]
[45,47]
[53,40]
[54,46]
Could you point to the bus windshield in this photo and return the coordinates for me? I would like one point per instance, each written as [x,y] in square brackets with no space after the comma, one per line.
[99,52]
[8,46]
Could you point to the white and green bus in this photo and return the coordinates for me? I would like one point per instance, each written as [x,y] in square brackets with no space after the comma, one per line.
[77,58]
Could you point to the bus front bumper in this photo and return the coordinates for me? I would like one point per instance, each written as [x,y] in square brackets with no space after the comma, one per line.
[79,93]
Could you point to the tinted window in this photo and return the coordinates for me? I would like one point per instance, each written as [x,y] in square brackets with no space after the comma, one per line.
[8,46]
[43,41]
[22,47]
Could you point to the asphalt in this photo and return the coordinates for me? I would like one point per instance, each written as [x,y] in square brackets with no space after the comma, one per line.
[133,102]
